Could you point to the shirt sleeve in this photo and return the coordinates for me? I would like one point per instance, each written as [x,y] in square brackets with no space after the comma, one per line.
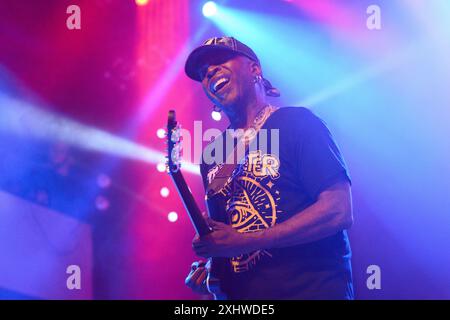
[320,163]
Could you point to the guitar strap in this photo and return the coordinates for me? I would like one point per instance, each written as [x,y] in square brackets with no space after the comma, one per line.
[228,170]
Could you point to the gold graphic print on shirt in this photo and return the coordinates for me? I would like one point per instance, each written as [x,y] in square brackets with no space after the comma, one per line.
[252,202]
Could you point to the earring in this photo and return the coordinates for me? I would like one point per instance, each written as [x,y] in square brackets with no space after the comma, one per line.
[216,109]
[257,79]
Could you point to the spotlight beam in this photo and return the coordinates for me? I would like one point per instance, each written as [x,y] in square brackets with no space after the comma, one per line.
[23,119]
[343,85]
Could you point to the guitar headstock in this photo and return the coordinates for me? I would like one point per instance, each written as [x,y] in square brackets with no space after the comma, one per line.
[174,147]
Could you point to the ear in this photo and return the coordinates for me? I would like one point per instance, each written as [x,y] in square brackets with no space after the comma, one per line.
[255,68]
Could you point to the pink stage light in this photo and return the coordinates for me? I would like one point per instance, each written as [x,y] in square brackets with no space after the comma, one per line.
[172,216]
[164,192]
[141,2]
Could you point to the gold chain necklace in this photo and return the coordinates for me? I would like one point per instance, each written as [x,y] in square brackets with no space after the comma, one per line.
[259,121]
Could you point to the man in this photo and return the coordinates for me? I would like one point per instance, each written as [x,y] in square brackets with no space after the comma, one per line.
[287,212]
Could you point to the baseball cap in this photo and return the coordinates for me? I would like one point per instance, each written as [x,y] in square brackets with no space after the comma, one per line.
[216,45]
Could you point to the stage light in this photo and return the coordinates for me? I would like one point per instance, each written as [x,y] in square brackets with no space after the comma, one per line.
[161,167]
[161,133]
[101,203]
[217,116]
[164,192]
[103,181]
[209,9]
[172,216]
[141,2]
[24,119]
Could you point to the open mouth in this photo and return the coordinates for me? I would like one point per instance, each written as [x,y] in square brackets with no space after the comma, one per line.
[218,84]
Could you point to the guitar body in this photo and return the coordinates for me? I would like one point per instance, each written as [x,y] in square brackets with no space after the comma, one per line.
[218,266]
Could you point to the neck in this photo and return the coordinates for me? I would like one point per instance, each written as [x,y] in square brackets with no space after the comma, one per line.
[246,114]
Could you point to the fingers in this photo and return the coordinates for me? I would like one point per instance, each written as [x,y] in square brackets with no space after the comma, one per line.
[197,275]
[202,273]
[197,264]
[196,280]
[194,265]
[193,276]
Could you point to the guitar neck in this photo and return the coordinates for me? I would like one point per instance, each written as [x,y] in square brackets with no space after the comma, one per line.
[199,223]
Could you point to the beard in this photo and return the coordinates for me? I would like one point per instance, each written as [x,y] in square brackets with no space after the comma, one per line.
[237,101]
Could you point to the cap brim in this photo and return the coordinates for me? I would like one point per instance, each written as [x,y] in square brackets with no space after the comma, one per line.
[202,55]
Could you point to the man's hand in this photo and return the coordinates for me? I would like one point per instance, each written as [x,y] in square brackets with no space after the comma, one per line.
[196,279]
[224,241]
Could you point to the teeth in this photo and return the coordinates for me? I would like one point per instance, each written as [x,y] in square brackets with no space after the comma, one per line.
[219,82]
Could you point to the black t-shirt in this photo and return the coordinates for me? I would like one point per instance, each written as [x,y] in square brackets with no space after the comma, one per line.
[273,184]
